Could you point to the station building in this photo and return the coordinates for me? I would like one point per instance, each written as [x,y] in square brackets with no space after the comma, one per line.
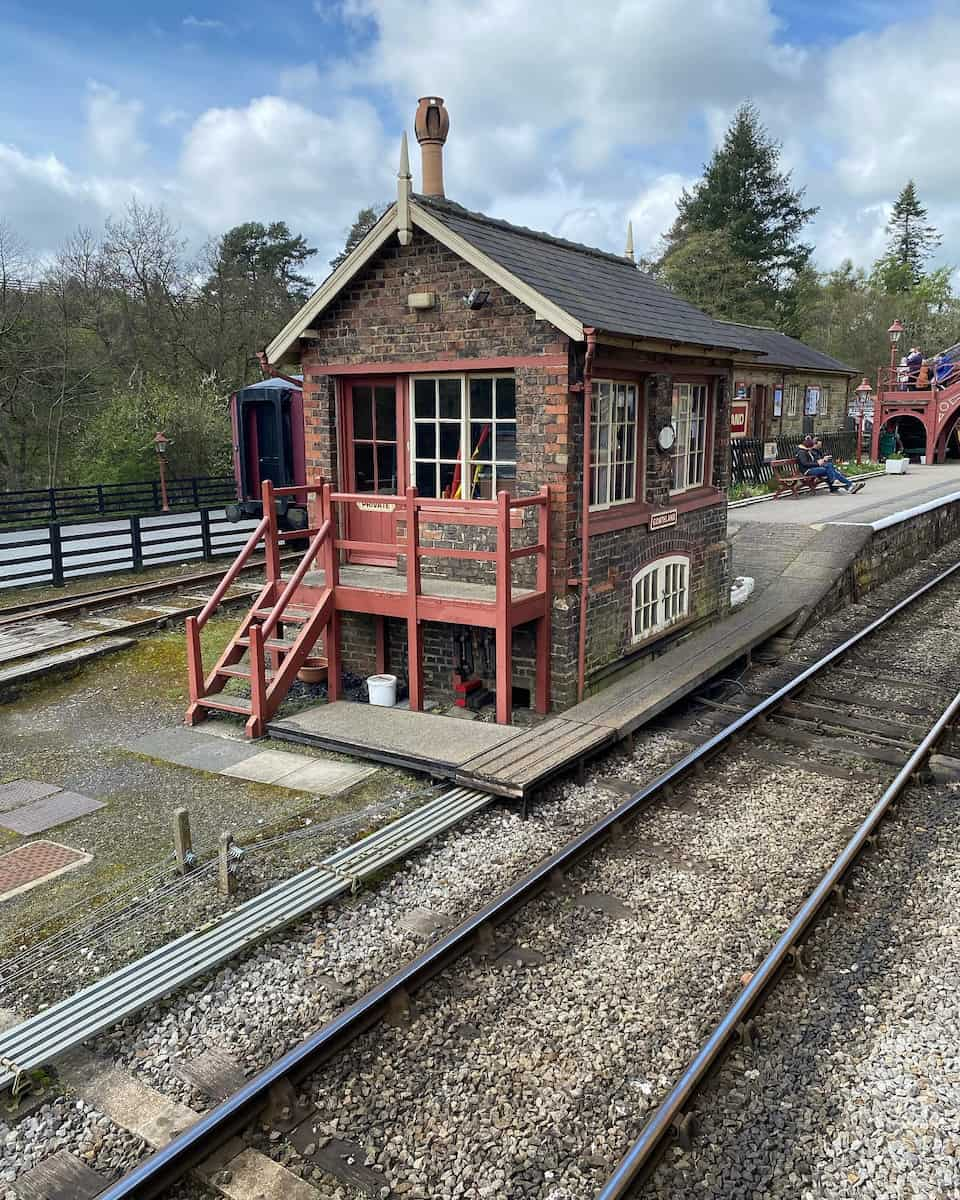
[790,391]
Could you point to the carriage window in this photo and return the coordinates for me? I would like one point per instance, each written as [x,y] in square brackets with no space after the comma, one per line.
[464,443]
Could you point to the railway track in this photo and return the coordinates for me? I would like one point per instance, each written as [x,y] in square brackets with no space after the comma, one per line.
[41,637]
[591,985]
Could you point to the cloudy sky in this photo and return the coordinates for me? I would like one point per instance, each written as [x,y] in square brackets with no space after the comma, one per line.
[565,116]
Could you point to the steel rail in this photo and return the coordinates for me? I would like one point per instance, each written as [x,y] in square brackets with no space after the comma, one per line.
[211,1130]
[104,597]
[666,1118]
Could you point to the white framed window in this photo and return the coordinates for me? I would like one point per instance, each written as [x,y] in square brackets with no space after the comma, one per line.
[823,404]
[463,436]
[690,448]
[661,595]
[613,443]
[793,399]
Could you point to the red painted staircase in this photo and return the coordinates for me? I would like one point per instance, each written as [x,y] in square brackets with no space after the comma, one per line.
[259,651]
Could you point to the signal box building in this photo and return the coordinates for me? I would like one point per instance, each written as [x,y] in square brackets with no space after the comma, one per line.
[525,443]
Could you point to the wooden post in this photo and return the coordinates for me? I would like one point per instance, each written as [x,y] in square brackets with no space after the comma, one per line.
[380,630]
[504,627]
[182,842]
[271,548]
[331,578]
[414,631]
[194,660]
[258,682]
[226,880]
[544,624]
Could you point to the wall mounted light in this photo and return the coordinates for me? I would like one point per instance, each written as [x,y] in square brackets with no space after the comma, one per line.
[476,298]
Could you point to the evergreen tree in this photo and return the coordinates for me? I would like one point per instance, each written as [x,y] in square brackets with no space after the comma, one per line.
[911,242]
[745,195]
[366,219]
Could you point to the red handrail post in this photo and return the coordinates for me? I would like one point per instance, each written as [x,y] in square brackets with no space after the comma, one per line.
[331,576]
[504,626]
[544,623]
[258,683]
[271,544]
[195,678]
[414,630]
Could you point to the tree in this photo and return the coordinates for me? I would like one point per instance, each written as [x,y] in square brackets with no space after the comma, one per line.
[745,195]
[253,286]
[706,271]
[366,219]
[910,243]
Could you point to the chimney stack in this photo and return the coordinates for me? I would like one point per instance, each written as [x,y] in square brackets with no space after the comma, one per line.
[431,125]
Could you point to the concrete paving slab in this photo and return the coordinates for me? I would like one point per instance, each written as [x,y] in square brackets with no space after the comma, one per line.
[392,731]
[52,810]
[187,748]
[268,766]
[23,791]
[325,778]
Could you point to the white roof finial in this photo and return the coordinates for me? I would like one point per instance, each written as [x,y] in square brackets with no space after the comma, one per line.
[404,188]
[628,252]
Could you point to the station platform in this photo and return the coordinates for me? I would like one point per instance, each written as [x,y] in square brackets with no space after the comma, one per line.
[882,496]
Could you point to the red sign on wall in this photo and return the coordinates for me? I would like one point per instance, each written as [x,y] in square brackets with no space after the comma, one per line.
[738,418]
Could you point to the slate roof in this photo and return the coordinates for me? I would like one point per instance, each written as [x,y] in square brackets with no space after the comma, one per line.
[599,289]
[783,351]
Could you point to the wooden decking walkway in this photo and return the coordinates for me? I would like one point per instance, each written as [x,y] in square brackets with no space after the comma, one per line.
[506,760]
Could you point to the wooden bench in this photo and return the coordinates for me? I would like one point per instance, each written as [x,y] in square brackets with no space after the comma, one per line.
[789,478]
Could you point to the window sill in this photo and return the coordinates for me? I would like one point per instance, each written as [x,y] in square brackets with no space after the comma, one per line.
[648,639]
[627,516]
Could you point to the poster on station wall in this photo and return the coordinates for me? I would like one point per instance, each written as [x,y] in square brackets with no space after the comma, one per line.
[811,402]
[739,411]
[778,402]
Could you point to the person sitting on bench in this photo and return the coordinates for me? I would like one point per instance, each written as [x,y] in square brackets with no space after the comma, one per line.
[810,462]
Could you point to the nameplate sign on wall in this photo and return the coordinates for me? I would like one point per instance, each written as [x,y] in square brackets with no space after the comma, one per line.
[660,520]
[375,506]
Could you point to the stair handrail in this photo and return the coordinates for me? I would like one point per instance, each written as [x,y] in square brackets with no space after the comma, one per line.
[228,580]
[270,623]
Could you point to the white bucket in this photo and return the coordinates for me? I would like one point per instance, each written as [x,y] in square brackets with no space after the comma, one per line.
[382,690]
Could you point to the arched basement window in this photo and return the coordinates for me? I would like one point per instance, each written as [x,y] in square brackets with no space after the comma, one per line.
[661,595]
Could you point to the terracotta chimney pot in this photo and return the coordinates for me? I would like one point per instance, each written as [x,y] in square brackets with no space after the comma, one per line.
[431,126]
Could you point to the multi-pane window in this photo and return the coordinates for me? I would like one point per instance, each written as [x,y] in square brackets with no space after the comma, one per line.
[823,404]
[690,446]
[613,443]
[793,399]
[661,595]
[464,436]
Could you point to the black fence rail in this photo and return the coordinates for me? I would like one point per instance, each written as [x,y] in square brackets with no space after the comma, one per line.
[42,505]
[749,465]
[59,552]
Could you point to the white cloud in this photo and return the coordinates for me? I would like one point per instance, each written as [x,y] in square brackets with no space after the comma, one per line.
[209,23]
[302,79]
[112,125]
[276,159]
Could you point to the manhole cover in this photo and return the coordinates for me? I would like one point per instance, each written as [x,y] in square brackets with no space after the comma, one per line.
[48,812]
[35,863]
[22,791]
